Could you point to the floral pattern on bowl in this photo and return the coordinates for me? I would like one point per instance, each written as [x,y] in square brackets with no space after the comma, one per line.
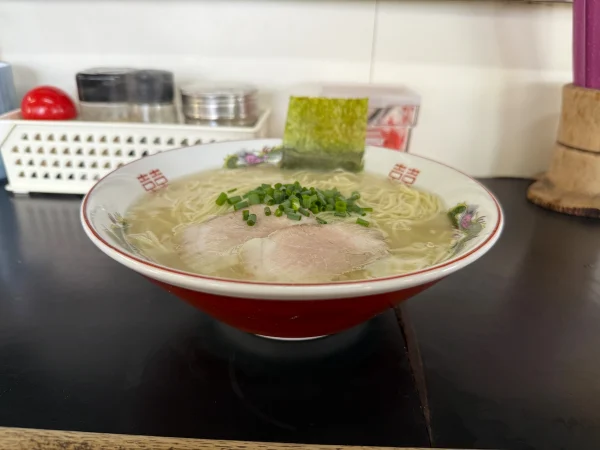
[467,223]
[117,231]
[245,158]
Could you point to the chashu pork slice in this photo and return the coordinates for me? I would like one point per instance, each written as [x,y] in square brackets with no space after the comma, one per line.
[212,245]
[312,253]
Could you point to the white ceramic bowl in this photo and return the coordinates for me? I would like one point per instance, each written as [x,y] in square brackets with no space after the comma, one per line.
[288,310]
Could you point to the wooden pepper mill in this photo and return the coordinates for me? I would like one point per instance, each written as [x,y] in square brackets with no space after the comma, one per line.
[572,184]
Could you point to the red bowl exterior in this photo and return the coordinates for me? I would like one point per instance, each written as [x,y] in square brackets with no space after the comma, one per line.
[292,318]
[284,309]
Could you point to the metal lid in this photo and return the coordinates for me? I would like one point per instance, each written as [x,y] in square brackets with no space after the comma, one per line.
[103,84]
[217,92]
[219,101]
[151,87]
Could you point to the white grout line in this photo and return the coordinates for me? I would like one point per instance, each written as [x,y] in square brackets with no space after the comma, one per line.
[374,41]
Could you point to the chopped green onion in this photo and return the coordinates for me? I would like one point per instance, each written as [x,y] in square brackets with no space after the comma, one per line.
[231,190]
[240,205]
[245,214]
[355,208]
[294,201]
[306,202]
[253,199]
[221,199]
[234,200]
[251,219]
[364,223]
[309,200]
[321,221]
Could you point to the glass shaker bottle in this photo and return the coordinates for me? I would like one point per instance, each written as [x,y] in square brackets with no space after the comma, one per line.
[103,94]
[151,97]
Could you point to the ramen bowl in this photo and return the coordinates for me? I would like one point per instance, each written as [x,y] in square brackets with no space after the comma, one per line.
[284,310]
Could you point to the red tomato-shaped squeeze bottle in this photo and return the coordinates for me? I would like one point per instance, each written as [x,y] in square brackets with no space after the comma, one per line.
[47,103]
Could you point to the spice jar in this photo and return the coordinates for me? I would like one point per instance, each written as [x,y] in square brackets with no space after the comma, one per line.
[220,105]
[151,97]
[103,94]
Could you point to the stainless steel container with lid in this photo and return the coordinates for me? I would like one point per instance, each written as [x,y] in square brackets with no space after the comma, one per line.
[220,104]
[103,94]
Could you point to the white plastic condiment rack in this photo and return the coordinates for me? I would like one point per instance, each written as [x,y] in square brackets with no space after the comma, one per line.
[68,157]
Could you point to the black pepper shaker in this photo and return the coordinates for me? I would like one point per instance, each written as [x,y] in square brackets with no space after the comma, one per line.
[103,94]
[151,97]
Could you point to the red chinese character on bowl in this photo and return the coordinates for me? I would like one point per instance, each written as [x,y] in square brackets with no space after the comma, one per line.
[152,180]
[410,176]
[404,174]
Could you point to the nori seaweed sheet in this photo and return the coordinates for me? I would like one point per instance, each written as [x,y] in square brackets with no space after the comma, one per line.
[325,134]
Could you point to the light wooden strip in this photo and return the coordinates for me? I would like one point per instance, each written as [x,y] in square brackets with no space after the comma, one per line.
[28,439]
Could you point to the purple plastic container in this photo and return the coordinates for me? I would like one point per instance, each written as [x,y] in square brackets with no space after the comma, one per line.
[586,43]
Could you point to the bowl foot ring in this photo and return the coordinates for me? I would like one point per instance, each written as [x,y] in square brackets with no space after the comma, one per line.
[275,338]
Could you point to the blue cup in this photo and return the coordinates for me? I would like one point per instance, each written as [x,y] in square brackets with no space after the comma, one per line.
[8,98]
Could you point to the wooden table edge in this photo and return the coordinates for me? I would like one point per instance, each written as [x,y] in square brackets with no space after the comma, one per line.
[32,439]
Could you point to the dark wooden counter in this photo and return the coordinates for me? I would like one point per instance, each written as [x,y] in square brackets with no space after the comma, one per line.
[88,345]
[510,347]
[511,344]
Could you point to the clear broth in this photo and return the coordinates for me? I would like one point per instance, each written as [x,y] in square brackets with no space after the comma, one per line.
[414,223]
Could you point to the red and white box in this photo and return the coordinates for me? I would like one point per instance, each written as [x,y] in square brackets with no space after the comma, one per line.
[400,116]
[395,138]
[393,111]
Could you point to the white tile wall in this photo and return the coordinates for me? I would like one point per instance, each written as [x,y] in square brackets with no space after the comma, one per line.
[490,73]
